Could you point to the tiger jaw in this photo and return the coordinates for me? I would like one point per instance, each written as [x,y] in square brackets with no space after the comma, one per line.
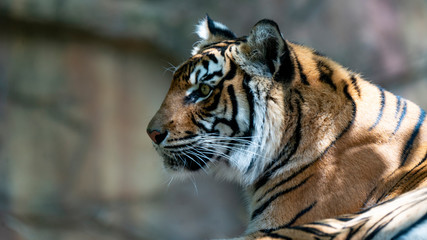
[190,157]
[205,152]
[179,162]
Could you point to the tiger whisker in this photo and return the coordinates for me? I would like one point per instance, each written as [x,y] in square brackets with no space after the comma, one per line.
[196,162]
[240,149]
[193,180]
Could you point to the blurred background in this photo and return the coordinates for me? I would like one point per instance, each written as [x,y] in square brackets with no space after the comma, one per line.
[80,79]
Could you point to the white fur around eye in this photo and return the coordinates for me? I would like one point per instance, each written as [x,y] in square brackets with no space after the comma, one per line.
[192,89]
[195,88]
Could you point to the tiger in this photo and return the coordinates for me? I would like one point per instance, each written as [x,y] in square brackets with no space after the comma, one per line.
[320,152]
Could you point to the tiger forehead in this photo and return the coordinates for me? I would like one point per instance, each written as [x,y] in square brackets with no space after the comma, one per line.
[202,67]
[221,46]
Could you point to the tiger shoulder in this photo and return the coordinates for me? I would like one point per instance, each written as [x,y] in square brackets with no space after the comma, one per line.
[321,152]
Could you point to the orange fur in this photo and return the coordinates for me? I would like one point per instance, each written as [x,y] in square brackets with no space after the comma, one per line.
[329,143]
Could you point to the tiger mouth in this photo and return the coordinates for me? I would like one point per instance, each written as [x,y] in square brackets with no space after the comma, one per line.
[190,162]
[199,153]
[183,159]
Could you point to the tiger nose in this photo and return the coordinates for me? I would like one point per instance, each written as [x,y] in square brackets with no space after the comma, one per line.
[156,136]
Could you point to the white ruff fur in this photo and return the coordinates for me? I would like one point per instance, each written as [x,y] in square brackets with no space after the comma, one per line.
[264,146]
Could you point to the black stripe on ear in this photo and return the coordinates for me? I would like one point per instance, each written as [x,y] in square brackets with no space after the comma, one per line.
[218,31]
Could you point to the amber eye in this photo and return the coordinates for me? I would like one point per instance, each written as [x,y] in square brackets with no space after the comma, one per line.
[205,89]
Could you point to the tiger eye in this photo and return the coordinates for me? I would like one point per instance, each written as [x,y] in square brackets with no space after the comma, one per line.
[205,89]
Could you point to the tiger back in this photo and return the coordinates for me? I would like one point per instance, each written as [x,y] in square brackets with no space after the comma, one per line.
[307,138]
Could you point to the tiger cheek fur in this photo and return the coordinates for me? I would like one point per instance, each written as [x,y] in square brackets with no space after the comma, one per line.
[307,138]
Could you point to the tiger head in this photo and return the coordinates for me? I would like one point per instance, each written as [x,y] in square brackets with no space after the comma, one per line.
[212,116]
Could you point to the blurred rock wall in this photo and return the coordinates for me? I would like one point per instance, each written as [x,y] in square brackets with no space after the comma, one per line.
[80,79]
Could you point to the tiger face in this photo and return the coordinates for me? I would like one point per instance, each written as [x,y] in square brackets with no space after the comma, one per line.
[203,112]
[208,119]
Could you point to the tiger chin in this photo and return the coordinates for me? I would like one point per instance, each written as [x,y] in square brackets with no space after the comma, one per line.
[321,152]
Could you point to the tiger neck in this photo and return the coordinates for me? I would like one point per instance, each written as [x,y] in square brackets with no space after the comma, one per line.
[302,119]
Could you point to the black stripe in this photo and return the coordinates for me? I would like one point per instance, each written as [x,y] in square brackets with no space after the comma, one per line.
[285,181]
[345,218]
[197,76]
[380,114]
[293,220]
[219,31]
[212,57]
[403,177]
[250,100]
[355,85]
[275,235]
[415,179]
[409,228]
[210,76]
[350,123]
[353,231]
[402,116]
[376,228]
[323,224]
[314,231]
[205,64]
[267,203]
[292,145]
[398,103]
[221,49]
[231,72]
[410,171]
[409,143]
[300,214]
[232,123]
[216,100]
[326,74]
[199,125]
[423,160]
[225,103]
[371,193]
[301,73]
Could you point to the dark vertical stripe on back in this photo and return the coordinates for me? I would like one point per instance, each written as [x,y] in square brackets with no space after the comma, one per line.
[355,85]
[350,123]
[402,116]
[301,73]
[411,139]
[398,103]
[326,74]
[380,114]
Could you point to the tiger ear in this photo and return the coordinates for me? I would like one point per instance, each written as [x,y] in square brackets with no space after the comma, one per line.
[209,32]
[264,48]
